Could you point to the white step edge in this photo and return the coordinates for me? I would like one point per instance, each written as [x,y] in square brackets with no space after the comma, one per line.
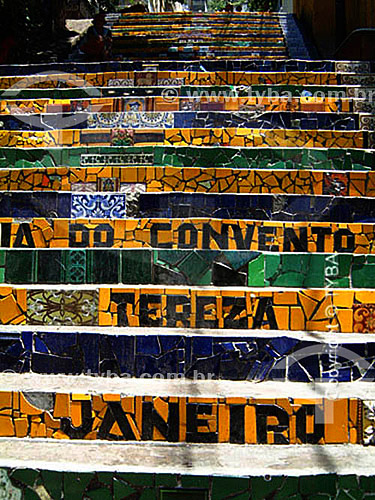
[83,384]
[192,459]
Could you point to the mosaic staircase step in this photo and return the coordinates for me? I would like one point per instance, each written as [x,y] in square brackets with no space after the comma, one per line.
[275,65]
[199,233]
[240,420]
[109,161]
[65,484]
[237,308]
[32,107]
[186,267]
[190,120]
[176,357]
[136,272]
[152,78]
[292,208]
[171,89]
[235,137]
[136,180]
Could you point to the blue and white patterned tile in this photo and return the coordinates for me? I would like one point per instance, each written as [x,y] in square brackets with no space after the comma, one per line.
[131,119]
[98,206]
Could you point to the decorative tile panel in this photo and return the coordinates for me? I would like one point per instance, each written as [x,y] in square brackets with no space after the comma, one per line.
[99,206]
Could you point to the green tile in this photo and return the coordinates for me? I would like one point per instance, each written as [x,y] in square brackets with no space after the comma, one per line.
[347,482]
[195,482]
[104,267]
[363,276]
[148,494]
[30,495]
[138,479]
[288,489]
[53,483]
[51,266]
[121,490]
[256,275]
[25,476]
[318,484]
[193,266]
[165,480]
[76,484]
[100,494]
[184,495]
[367,484]
[262,488]
[105,477]
[19,266]
[136,267]
[224,486]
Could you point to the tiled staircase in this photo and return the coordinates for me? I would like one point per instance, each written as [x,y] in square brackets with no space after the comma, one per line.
[187,267]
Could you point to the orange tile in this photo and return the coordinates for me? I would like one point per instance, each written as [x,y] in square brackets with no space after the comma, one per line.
[27,408]
[6,427]
[62,406]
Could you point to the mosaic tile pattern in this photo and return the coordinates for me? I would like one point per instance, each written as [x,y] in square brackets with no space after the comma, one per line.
[175,357]
[237,137]
[186,267]
[101,206]
[332,310]
[198,103]
[148,78]
[191,420]
[150,486]
[136,179]
[137,203]
[259,65]
[142,89]
[245,118]
[190,234]
[215,157]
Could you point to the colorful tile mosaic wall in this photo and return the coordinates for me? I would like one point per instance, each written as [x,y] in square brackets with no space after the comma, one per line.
[172,89]
[117,486]
[186,267]
[308,310]
[200,103]
[174,357]
[190,234]
[257,65]
[214,157]
[189,419]
[135,180]
[236,137]
[153,78]
[191,120]
[144,278]
[136,203]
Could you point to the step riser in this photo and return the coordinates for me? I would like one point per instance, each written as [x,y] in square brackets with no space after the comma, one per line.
[178,357]
[186,267]
[190,420]
[293,208]
[313,310]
